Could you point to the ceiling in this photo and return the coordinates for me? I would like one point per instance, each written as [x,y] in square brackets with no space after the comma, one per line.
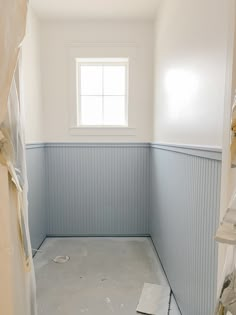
[95,9]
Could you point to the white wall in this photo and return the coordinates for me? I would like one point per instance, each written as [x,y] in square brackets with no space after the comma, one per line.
[191,56]
[132,38]
[193,71]
[31,69]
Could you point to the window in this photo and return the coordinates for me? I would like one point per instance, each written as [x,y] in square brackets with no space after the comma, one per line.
[102,91]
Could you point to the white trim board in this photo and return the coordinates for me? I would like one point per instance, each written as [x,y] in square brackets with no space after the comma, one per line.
[208,152]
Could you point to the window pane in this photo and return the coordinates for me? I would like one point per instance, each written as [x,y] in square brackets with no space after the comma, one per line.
[114,80]
[114,110]
[91,110]
[91,80]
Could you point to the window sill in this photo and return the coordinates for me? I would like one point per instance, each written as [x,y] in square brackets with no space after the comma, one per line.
[102,131]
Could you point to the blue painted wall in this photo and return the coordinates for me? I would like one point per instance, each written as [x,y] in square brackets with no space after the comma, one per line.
[185,196]
[97,189]
[171,193]
[36,168]
[88,189]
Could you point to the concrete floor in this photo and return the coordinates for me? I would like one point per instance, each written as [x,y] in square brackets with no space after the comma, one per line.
[103,276]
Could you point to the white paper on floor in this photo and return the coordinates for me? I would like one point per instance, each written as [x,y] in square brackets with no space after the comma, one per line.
[154,299]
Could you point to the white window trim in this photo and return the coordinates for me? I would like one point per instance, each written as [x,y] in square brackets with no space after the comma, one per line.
[78,84]
[109,50]
[102,131]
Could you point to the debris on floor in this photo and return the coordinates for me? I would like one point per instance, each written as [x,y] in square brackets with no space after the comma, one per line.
[154,300]
[125,263]
[61,259]
[109,304]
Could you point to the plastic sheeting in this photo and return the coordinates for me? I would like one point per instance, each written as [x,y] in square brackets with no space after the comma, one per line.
[233,135]
[12,31]
[17,284]
[227,296]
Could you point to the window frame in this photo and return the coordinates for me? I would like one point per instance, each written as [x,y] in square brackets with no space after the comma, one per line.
[103,62]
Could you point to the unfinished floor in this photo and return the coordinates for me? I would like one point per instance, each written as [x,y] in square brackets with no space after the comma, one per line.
[103,276]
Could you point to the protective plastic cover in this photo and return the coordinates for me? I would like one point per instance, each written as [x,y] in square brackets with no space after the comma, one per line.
[17,285]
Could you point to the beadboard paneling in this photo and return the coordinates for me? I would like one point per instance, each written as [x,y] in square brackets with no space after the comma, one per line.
[35,156]
[170,192]
[185,194]
[97,189]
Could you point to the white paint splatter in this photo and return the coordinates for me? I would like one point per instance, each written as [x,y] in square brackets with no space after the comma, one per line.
[84,310]
[109,304]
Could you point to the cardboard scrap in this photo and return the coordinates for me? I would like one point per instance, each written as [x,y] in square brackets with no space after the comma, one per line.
[154,299]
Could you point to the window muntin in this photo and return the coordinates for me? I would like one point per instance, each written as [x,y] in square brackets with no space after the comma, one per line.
[102,92]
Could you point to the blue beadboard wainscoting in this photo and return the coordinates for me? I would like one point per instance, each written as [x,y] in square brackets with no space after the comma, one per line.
[92,189]
[97,189]
[185,197]
[36,168]
[169,192]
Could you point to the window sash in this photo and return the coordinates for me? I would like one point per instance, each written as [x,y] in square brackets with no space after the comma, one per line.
[79,95]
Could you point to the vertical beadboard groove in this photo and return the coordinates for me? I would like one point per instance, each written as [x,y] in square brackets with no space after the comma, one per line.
[97,189]
[134,189]
[185,195]
[35,158]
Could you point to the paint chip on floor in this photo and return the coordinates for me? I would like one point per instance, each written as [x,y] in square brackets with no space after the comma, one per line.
[154,300]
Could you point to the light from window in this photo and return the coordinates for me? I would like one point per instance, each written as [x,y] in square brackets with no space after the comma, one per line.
[102,91]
